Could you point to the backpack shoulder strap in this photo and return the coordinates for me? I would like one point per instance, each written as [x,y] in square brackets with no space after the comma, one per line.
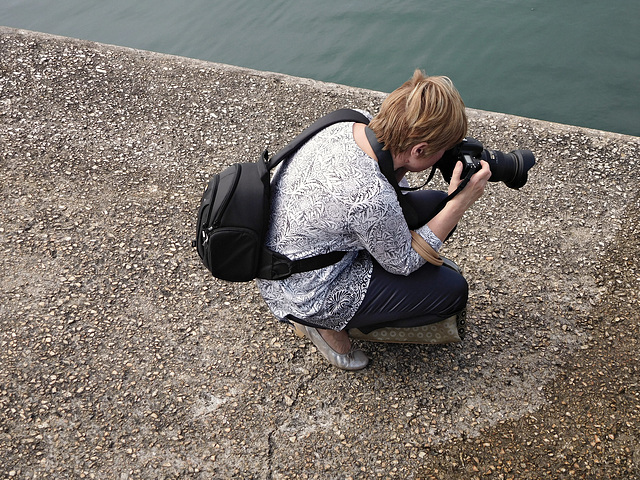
[275,266]
[342,115]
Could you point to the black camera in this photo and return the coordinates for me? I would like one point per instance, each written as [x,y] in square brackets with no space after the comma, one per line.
[510,168]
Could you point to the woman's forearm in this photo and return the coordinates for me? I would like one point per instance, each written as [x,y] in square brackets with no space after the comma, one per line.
[446,220]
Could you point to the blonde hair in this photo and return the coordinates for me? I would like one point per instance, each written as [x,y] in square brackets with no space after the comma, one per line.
[423,109]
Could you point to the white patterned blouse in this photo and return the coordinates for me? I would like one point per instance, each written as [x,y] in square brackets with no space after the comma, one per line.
[331,196]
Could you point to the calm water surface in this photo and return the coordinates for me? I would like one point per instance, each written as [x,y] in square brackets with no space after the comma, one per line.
[567,61]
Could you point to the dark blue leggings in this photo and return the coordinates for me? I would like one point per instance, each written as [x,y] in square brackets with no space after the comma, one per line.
[425,296]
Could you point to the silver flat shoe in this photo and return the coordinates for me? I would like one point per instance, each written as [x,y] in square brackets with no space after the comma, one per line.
[354,360]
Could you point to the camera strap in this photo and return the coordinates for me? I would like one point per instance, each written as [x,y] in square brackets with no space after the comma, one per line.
[444,201]
[385,162]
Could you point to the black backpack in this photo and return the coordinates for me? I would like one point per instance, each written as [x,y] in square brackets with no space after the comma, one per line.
[234,215]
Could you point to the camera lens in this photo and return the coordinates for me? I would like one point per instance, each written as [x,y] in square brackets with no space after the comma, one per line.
[510,168]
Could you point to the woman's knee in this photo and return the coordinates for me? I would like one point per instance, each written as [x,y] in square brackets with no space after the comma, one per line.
[456,295]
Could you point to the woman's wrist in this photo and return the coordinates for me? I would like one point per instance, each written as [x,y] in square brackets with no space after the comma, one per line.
[447,219]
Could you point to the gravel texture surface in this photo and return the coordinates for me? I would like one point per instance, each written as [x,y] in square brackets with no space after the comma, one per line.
[120,357]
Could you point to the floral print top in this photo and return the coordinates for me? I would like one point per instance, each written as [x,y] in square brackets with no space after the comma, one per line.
[331,196]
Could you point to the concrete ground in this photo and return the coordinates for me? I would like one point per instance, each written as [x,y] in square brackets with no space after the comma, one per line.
[120,357]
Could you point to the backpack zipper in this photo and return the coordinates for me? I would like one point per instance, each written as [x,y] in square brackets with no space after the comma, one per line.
[204,233]
[223,206]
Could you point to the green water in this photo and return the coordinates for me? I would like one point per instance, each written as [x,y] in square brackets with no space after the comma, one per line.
[567,61]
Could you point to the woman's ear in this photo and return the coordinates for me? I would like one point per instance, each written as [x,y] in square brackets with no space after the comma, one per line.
[418,149]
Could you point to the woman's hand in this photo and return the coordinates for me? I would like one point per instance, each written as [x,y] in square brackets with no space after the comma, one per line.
[474,189]
[446,220]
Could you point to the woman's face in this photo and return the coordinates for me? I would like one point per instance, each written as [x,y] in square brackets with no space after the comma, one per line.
[416,163]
